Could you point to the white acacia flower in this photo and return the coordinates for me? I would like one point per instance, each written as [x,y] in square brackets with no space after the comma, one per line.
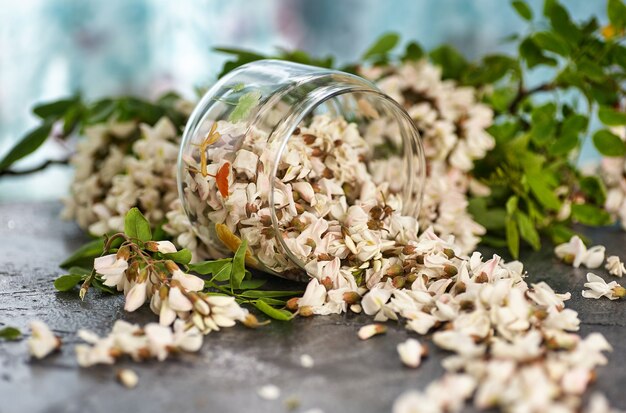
[166,247]
[371,330]
[112,270]
[410,352]
[542,294]
[189,282]
[374,300]
[42,340]
[594,257]
[314,295]
[415,402]
[136,297]
[600,288]
[307,361]
[127,378]
[187,339]
[615,266]
[572,252]
[269,392]
[575,253]
[178,301]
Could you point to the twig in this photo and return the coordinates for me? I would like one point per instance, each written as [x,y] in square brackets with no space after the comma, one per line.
[49,162]
[524,93]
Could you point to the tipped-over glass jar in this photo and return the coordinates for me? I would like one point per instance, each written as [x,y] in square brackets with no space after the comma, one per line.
[279,154]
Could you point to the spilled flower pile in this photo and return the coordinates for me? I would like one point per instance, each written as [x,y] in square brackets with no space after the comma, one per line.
[452,124]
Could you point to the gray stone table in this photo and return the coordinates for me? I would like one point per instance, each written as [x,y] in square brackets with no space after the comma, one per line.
[348,376]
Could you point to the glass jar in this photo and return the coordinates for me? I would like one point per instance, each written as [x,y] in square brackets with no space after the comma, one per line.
[275,148]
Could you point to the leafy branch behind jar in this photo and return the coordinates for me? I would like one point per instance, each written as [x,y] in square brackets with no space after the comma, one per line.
[535,186]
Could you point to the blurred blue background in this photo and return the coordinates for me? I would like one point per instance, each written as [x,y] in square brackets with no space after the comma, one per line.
[52,48]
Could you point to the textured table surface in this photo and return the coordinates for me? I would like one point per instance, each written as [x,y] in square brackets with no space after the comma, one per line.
[348,376]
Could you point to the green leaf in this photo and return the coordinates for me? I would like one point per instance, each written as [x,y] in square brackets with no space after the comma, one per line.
[84,254]
[562,23]
[527,230]
[551,42]
[451,61]
[571,128]
[522,9]
[137,226]
[224,273]
[616,11]
[590,215]
[611,117]
[10,333]
[489,218]
[560,233]
[383,45]
[511,205]
[512,237]
[54,110]
[532,54]
[238,271]
[246,103]
[608,144]
[540,188]
[275,313]
[79,271]
[29,143]
[413,52]
[209,267]
[251,284]
[593,188]
[181,257]
[543,123]
[267,293]
[591,70]
[97,283]
[274,301]
[67,282]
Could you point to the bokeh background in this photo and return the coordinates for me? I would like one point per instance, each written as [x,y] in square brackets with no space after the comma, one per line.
[52,48]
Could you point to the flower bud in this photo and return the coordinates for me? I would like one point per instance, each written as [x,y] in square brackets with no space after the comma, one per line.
[151,246]
[398,281]
[327,283]
[449,253]
[394,270]
[200,305]
[351,297]
[123,253]
[252,322]
[306,311]
[292,304]
[171,266]
[450,270]
[371,330]
[619,291]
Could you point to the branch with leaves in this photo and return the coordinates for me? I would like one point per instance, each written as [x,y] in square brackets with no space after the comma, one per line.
[155,271]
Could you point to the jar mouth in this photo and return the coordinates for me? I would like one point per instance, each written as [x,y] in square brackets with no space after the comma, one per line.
[414,162]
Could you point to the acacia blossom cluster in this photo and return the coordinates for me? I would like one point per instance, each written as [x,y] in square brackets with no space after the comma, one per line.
[120,165]
[452,124]
[172,293]
[140,343]
[613,173]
